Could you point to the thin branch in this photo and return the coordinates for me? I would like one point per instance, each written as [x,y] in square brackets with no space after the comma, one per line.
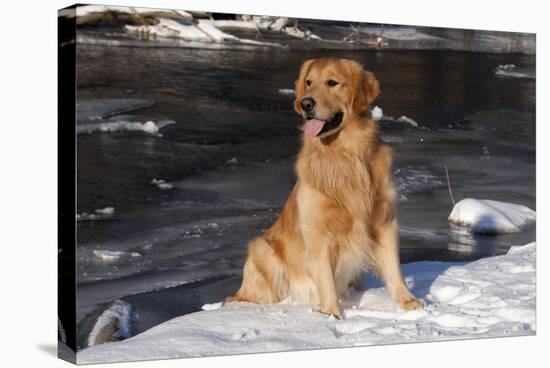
[449,185]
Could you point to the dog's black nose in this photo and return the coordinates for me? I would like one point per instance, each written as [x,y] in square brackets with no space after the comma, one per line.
[307,104]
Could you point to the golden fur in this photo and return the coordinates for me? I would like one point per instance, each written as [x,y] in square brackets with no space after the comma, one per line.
[339,219]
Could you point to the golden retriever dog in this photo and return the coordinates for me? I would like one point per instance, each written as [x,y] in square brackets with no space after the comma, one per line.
[339,219]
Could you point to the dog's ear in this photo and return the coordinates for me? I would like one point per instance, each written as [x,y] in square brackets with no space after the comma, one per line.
[366,89]
[300,87]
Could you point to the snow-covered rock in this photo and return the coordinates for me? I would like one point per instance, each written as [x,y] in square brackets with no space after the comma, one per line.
[377,113]
[485,216]
[490,297]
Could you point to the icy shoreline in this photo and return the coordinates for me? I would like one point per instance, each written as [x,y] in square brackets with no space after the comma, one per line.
[490,297]
[192,29]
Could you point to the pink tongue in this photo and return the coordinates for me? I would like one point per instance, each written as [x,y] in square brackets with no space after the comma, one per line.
[313,127]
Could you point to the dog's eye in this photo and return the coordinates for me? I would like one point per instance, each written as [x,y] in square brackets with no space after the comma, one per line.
[331,83]
[308,82]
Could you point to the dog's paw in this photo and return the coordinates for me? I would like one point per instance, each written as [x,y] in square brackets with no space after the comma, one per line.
[332,311]
[411,304]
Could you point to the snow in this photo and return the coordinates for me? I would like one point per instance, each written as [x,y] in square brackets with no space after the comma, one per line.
[286,91]
[490,297]
[149,127]
[108,211]
[99,214]
[406,119]
[377,113]
[239,25]
[267,23]
[204,30]
[485,216]
[509,70]
[112,255]
[298,33]
[162,184]
[119,313]
[212,306]
[171,28]
[207,26]
[232,161]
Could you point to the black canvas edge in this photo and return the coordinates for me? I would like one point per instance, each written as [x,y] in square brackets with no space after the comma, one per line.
[66,175]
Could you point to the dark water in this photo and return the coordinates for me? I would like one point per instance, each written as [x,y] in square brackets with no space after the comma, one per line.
[226,105]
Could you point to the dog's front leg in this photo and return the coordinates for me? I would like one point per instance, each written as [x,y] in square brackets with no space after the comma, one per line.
[320,266]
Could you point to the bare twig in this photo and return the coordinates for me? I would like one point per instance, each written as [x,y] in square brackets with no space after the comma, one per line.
[449,185]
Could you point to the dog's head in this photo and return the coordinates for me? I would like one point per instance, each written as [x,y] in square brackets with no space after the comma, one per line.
[329,90]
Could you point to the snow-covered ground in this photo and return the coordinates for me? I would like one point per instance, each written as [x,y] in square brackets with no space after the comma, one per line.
[487,298]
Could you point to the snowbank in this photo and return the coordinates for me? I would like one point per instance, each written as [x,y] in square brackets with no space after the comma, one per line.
[487,298]
[203,30]
[149,127]
[485,216]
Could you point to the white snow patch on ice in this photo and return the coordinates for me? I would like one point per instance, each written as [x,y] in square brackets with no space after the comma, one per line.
[162,184]
[149,127]
[378,114]
[286,91]
[232,161]
[99,214]
[113,255]
[510,70]
[406,119]
[464,300]
[485,216]
[108,211]
[212,306]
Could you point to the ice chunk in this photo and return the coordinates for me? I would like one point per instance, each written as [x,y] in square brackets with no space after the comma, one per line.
[232,161]
[99,214]
[510,70]
[377,113]
[406,119]
[212,306]
[162,184]
[485,216]
[286,91]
